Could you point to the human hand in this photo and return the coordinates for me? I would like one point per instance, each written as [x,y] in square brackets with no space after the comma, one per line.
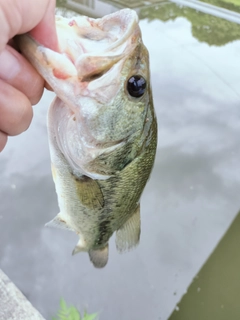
[20,84]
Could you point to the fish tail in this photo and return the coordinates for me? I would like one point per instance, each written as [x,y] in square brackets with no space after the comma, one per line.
[99,257]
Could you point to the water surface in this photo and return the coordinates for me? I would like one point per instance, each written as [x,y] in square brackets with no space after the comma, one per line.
[189,202]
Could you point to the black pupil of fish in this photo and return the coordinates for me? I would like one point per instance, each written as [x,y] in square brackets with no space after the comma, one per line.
[136,86]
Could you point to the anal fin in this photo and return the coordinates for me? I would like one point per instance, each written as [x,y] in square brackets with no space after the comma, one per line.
[99,257]
[128,235]
[59,222]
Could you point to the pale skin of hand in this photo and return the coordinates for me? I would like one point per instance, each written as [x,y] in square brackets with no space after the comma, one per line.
[20,84]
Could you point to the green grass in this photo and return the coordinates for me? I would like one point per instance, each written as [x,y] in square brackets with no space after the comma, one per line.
[71,313]
[232,5]
[236,2]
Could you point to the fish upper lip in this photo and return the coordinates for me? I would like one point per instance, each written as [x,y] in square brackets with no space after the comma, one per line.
[91,63]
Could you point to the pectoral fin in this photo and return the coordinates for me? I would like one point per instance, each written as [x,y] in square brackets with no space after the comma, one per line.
[89,193]
[128,235]
[99,257]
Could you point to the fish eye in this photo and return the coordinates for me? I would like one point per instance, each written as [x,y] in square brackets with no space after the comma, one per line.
[136,86]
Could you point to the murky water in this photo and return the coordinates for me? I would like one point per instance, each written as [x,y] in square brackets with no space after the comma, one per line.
[189,203]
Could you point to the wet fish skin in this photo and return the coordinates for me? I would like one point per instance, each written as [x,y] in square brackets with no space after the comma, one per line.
[102,140]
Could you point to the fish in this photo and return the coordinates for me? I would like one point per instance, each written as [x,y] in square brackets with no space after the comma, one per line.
[102,127]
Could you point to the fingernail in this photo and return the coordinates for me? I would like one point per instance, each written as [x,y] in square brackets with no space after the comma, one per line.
[9,65]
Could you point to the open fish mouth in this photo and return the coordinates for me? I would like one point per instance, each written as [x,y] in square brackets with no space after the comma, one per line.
[87,49]
[94,45]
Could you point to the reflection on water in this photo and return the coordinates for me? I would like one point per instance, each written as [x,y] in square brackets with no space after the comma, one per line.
[133,4]
[87,3]
[233,5]
[205,28]
[215,291]
[91,8]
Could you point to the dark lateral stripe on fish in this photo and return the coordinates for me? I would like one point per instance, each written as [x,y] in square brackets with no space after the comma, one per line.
[103,230]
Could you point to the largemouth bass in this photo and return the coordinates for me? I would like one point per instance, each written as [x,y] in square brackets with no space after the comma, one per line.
[102,127]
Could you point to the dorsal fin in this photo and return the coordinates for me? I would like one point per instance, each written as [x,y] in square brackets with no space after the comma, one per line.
[128,235]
